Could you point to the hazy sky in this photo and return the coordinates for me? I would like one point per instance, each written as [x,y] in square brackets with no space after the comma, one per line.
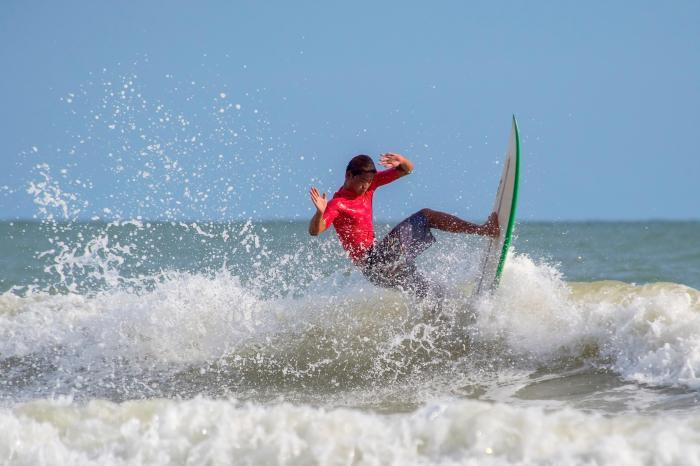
[233,109]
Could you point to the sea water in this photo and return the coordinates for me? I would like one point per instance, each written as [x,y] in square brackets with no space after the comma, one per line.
[134,342]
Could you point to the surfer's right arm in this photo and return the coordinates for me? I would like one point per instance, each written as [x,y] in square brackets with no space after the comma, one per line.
[317,225]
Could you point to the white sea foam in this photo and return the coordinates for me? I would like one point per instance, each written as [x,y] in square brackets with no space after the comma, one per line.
[184,318]
[188,319]
[647,333]
[204,431]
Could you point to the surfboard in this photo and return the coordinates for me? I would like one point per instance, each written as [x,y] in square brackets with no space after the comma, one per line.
[494,253]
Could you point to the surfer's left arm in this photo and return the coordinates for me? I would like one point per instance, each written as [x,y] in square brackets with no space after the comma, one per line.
[398,161]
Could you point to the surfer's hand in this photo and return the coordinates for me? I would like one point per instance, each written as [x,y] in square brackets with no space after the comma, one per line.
[491,227]
[319,200]
[390,160]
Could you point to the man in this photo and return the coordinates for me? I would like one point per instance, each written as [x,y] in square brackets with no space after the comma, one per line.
[391,261]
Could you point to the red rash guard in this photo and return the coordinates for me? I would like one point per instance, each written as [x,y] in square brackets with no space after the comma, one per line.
[351,215]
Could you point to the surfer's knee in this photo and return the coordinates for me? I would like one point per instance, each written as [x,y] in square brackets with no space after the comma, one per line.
[432,216]
[428,213]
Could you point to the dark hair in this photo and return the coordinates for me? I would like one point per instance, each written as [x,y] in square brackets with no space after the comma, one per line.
[361,164]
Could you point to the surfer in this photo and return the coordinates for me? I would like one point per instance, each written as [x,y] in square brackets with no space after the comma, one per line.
[390,262]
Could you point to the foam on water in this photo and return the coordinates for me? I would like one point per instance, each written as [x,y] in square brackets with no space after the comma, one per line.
[193,320]
[646,333]
[203,431]
[172,337]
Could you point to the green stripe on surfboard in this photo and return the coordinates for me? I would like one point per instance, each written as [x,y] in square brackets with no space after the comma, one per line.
[514,205]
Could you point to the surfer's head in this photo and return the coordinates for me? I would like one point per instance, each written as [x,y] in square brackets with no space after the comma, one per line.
[359,174]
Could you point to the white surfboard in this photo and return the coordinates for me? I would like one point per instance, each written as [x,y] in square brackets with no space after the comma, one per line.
[494,254]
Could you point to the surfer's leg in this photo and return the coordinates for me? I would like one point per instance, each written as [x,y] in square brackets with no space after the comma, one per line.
[397,253]
[430,293]
[402,276]
[424,288]
[407,278]
[446,222]
[410,237]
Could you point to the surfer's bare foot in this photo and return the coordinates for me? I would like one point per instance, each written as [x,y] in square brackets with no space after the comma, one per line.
[491,227]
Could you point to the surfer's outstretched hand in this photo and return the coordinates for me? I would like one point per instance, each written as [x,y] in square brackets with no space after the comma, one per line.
[391,160]
[319,200]
[491,227]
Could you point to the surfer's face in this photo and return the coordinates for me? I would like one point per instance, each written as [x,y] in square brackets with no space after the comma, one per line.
[359,184]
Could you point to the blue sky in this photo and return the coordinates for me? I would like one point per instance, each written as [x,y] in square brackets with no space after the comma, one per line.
[233,109]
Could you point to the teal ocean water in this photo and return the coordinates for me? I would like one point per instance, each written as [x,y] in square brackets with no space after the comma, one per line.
[136,342]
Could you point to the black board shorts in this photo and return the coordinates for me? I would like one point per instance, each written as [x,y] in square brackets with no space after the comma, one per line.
[390,263]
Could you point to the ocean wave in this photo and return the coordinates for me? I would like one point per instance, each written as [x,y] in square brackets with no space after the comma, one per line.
[646,333]
[350,333]
[205,431]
